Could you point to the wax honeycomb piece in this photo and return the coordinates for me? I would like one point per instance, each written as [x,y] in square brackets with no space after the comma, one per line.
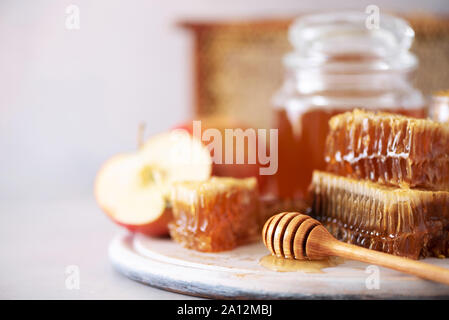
[215,215]
[406,222]
[389,149]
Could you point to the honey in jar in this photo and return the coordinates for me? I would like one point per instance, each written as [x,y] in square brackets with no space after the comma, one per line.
[337,64]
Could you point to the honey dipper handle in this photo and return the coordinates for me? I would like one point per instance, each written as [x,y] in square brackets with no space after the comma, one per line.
[322,243]
[419,269]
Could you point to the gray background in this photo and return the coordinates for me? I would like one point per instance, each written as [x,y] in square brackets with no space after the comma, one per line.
[70,99]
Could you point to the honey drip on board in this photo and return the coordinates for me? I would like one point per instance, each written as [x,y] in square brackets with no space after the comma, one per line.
[290,265]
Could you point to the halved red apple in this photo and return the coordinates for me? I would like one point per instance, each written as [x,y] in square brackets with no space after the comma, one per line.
[132,188]
[178,156]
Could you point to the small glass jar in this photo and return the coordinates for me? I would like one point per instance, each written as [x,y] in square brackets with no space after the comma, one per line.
[338,64]
[439,106]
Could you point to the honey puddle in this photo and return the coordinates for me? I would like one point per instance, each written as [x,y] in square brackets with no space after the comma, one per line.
[289,265]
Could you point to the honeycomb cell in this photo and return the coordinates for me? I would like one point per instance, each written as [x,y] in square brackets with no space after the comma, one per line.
[389,149]
[215,215]
[406,222]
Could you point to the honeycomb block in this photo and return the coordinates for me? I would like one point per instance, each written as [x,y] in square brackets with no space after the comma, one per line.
[389,149]
[215,215]
[406,222]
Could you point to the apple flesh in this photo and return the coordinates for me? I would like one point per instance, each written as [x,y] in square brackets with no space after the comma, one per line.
[129,198]
[132,188]
[178,156]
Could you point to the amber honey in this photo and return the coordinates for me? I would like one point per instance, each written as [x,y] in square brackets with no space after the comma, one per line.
[336,65]
[307,266]
[302,140]
[389,149]
[406,222]
[215,215]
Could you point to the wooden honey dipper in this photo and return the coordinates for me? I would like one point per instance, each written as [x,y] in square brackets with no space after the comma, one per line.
[294,235]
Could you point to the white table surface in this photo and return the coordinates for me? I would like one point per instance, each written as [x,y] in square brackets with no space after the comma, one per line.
[39,239]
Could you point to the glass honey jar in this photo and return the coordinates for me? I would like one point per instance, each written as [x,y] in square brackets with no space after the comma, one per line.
[338,63]
[439,106]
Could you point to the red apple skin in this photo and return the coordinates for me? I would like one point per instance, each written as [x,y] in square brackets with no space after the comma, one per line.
[227,170]
[157,228]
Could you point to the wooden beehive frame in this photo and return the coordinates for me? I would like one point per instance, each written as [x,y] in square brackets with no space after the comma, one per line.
[237,64]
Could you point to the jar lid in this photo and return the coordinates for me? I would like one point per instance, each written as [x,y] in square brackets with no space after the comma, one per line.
[350,37]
